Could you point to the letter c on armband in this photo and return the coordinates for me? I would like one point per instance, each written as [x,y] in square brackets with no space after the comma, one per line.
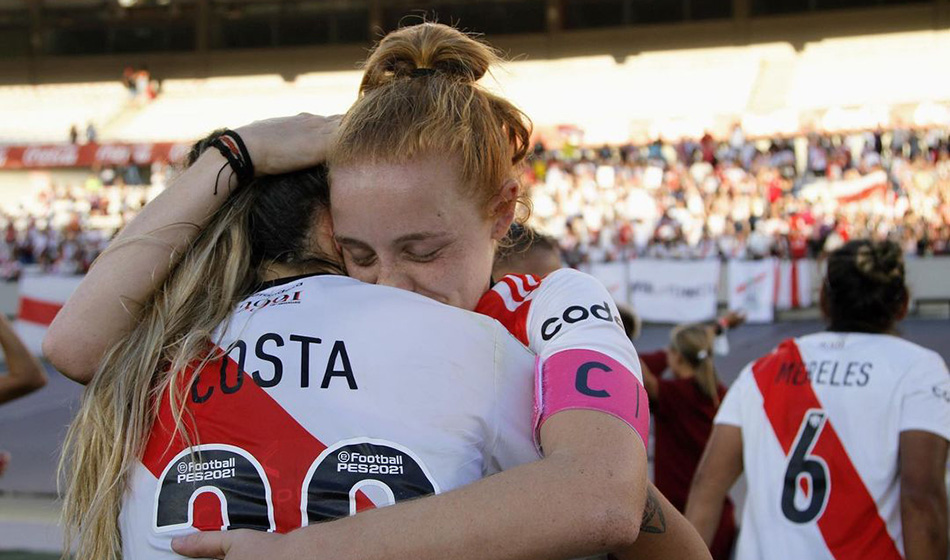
[563,382]
[581,380]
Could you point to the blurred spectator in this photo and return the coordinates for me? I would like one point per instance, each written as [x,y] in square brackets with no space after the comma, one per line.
[128,80]
[143,79]
[91,134]
[62,229]
[73,134]
[24,375]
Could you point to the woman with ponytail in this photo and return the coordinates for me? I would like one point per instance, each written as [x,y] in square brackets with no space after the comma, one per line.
[842,434]
[683,408]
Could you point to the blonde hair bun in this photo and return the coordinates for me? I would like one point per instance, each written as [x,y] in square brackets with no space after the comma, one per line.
[445,51]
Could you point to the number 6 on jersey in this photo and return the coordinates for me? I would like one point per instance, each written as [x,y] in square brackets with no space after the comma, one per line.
[807,484]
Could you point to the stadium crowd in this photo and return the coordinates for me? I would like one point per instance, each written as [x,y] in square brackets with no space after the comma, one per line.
[739,198]
[62,228]
[712,198]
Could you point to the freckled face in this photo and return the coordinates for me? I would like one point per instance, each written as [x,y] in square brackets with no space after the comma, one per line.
[409,226]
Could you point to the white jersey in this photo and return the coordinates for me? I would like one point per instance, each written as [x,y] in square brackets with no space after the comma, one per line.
[565,310]
[821,418]
[335,396]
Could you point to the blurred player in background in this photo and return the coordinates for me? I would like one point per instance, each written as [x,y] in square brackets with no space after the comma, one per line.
[842,434]
[526,251]
[683,408]
[24,373]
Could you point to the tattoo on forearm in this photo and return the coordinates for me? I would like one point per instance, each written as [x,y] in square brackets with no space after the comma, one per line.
[654,521]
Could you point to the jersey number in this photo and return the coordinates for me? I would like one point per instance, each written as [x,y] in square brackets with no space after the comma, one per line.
[807,484]
[328,491]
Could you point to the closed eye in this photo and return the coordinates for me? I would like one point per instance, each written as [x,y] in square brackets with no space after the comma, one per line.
[361,259]
[425,257]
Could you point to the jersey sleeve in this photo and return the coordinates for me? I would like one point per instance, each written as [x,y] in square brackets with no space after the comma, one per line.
[730,410]
[585,360]
[925,403]
[572,310]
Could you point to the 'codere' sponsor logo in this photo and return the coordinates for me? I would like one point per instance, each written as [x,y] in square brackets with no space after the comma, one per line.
[576,314]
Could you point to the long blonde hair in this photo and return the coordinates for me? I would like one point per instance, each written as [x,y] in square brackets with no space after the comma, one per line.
[694,344]
[419,96]
[174,330]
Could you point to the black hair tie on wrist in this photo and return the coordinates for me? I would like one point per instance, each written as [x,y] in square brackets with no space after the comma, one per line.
[232,147]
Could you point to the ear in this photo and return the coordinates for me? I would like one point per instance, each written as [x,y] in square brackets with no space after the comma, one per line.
[502,209]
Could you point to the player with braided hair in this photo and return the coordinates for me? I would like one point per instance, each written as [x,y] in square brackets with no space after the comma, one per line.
[842,434]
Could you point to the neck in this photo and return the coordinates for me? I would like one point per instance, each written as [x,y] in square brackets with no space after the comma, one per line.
[277,271]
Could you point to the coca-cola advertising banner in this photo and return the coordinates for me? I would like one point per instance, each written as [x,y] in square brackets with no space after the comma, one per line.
[71,155]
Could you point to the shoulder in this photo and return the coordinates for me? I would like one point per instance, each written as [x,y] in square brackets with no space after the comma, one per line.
[525,303]
[509,301]
[344,300]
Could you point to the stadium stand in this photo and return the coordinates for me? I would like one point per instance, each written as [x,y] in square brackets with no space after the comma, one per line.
[45,113]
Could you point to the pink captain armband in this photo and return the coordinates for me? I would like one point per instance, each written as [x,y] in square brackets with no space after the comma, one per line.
[588,380]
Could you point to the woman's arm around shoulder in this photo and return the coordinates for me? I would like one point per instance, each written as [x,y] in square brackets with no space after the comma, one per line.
[106,304]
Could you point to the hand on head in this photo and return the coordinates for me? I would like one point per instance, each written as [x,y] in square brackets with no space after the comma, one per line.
[285,144]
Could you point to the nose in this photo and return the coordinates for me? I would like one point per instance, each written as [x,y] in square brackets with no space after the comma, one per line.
[393,276]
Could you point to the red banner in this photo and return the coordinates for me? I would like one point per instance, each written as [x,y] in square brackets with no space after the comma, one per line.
[43,156]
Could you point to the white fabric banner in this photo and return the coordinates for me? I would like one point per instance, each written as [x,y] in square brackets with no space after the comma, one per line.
[41,297]
[794,287]
[614,277]
[665,291]
[752,289]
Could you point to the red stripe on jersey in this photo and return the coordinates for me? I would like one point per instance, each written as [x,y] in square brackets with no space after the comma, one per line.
[248,418]
[509,303]
[850,524]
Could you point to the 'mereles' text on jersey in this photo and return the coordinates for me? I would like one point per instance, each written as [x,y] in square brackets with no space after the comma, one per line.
[821,418]
[334,396]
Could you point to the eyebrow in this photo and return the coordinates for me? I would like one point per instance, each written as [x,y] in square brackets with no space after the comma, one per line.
[418,236]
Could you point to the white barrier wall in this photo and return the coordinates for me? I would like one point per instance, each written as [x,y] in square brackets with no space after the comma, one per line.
[40,299]
[665,291]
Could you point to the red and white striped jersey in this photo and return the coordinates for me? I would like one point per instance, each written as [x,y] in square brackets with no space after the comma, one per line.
[566,310]
[334,396]
[821,418]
